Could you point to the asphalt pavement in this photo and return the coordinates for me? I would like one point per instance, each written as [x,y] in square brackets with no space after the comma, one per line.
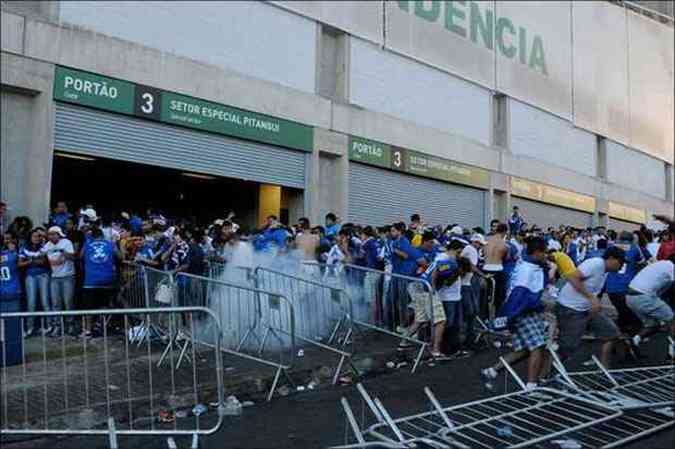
[313,419]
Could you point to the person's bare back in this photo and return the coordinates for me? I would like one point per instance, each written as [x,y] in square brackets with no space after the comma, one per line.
[496,249]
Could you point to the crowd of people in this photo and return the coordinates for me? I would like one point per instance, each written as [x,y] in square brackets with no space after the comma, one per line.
[548,283]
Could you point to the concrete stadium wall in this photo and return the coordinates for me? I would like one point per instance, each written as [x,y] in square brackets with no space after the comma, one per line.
[535,133]
[32,46]
[247,37]
[635,170]
[423,94]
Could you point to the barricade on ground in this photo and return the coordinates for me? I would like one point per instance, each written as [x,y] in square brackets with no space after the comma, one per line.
[515,420]
[106,385]
[323,312]
[383,302]
[630,388]
[256,324]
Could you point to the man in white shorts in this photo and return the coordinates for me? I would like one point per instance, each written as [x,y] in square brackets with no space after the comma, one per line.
[644,300]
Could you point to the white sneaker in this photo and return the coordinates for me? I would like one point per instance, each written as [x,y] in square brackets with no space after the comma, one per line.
[27,333]
[636,340]
[47,332]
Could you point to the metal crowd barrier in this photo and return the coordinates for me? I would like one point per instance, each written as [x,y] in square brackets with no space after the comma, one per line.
[323,311]
[146,287]
[627,389]
[257,325]
[108,386]
[369,289]
[515,420]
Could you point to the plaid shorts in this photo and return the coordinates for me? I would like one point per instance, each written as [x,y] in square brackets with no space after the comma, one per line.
[529,332]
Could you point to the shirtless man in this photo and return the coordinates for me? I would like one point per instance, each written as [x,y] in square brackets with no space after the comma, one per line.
[496,251]
[306,241]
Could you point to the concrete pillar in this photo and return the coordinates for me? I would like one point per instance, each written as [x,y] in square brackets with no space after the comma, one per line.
[26,136]
[331,179]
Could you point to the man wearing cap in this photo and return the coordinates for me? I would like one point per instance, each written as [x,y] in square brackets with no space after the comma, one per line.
[61,254]
[579,306]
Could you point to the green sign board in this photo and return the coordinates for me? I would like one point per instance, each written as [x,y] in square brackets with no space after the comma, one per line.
[87,89]
[415,163]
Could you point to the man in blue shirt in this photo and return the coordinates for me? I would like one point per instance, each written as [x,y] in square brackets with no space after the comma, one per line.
[515,221]
[273,239]
[60,215]
[10,300]
[332,226]
[405,260]
[98,257]
[617,283]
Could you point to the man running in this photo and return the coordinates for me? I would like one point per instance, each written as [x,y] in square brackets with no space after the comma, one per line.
[523,314]
[644,300]
[579,305]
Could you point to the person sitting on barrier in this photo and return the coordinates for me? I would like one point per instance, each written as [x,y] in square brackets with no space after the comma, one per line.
[522,314]
[644,299]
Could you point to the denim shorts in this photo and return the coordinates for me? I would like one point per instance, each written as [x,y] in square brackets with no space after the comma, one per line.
[650,309]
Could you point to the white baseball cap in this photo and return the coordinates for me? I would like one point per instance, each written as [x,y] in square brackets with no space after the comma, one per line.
[90,214]
[554,245]
[478,238]
[56,230]
[457,230]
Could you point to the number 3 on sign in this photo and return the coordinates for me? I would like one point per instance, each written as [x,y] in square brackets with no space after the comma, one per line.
[148,106]
[397,159]
[147,102]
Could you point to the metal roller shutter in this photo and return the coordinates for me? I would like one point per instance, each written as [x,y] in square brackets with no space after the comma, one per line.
[95,133]
[620,225]
[545,215]
[378,197]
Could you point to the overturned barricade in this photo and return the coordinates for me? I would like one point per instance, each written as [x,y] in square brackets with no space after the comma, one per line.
[629,388]
[515,420]
[108,386]
[323,312]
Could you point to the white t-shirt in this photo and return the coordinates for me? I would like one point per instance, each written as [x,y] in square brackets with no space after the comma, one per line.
[593,271]
[654,279]
[653,249]
[471,253]
[61,267]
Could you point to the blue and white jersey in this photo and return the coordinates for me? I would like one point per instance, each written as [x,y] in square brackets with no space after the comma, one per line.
[99,268]
[10,284]
[523,294]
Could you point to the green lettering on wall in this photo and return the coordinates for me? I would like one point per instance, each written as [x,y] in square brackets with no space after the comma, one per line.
[404,5]
[428,14]
[484,27]
[537,59]
[522,45]
[451,12]
[502,23]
